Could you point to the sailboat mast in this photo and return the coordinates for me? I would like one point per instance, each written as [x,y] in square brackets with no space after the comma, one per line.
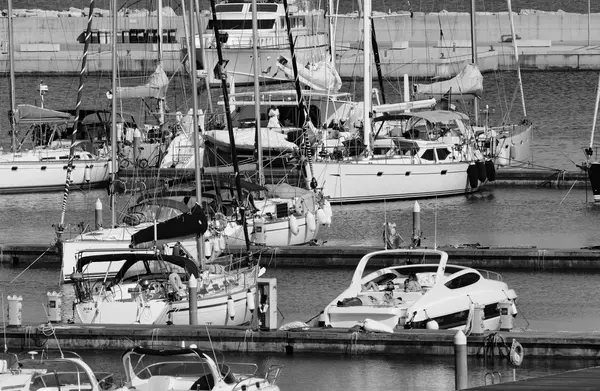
[595,115]
[11,57]
[221,74]
[113,136]
[473,56]
[88,35]
[514,40]
[196,136]
[377,61]
[367,72]
[203,58]
[332,26]
[161,101]
[261,173]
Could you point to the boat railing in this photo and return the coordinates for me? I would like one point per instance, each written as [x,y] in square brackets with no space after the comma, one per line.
[273,373]
[490,275]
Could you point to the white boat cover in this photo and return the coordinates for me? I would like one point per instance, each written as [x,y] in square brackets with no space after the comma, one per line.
[318,76]
[156,87]
[468,82]
[29,114]
[244,139]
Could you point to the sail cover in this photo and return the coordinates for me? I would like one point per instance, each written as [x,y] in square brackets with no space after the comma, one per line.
[28,114]
[468,82]
[318,76]
[188,224]
[245,139]
[156,87]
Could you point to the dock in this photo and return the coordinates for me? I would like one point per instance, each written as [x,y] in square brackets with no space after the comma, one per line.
[485,257]
[310,340]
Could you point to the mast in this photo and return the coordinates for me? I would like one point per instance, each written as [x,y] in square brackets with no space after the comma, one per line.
[113,136]
[377,60]
[367,73]
[473,55]
[220,72]
[197,162]
[595,118]
[203,58]
[514,39]
[332,28]
[299,97]
[261,173]
[161,101]
[11,60]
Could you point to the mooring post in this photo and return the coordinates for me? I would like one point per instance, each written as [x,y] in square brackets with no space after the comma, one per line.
[193,298]
[416,240]
[460,360]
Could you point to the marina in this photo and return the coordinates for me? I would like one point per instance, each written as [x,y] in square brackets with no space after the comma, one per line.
[491,281]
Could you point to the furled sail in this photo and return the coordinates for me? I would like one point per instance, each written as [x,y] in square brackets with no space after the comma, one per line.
[318,76]
[156,87]
[188,224]
[468,82]
[28,114]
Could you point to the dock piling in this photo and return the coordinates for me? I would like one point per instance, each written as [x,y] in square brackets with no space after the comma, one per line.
[193,296]
[460,360]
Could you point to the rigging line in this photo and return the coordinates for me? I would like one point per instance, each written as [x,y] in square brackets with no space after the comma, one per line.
[32,263]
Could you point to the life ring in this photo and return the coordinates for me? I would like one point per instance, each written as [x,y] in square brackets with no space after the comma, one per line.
[516,353]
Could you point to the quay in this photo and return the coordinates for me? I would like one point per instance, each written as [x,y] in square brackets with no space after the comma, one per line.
[476,256]
[309,340]
[409,42]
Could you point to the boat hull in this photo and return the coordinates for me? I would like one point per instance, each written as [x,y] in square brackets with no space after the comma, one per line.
[371,180]
[29,176]
[594,175]
[276,233]
[513,145]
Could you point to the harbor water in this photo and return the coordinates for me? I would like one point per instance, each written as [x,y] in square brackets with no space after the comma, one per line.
[559,103]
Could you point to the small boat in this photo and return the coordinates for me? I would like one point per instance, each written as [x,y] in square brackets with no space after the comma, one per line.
[436,295]
[150,369]
[150,288]
[68,373]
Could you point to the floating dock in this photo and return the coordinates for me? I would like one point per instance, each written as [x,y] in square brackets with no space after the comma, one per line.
[325,340]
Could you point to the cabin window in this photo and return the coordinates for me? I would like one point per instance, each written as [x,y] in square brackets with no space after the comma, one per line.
[463,281]
[442,153]
[297,21]
[264,8]
[241,24]
[229,7]
[428,155]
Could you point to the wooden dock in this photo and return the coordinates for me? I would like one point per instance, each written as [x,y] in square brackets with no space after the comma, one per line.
[323,340]
[580,379]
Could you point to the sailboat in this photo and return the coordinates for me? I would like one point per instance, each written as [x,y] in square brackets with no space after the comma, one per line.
[506,144]
[44,167]
[149,286]
[424,154]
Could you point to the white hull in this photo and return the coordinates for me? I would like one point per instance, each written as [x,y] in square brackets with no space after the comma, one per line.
[276,233]
[20,176]
[373,180]
[212,310]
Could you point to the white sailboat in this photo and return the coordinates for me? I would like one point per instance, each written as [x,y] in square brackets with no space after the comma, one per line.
[387,168]
[44,165]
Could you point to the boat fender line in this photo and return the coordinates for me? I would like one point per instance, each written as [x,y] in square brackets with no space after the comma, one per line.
[516,353]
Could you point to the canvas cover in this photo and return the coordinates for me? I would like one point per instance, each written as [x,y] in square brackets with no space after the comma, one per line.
[468,82]
[29,114]
[156,87]
[318,76]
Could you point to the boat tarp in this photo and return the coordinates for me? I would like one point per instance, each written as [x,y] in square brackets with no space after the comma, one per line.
[193,223]
[131,258]
[156,87]
[468,82]
[244,139]
[433,116]
[29,114]
[318,76]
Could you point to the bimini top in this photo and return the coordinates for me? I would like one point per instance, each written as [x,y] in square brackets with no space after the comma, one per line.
[131,258]
[433,116]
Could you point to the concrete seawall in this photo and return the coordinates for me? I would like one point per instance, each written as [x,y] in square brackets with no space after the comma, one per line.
[413,45]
